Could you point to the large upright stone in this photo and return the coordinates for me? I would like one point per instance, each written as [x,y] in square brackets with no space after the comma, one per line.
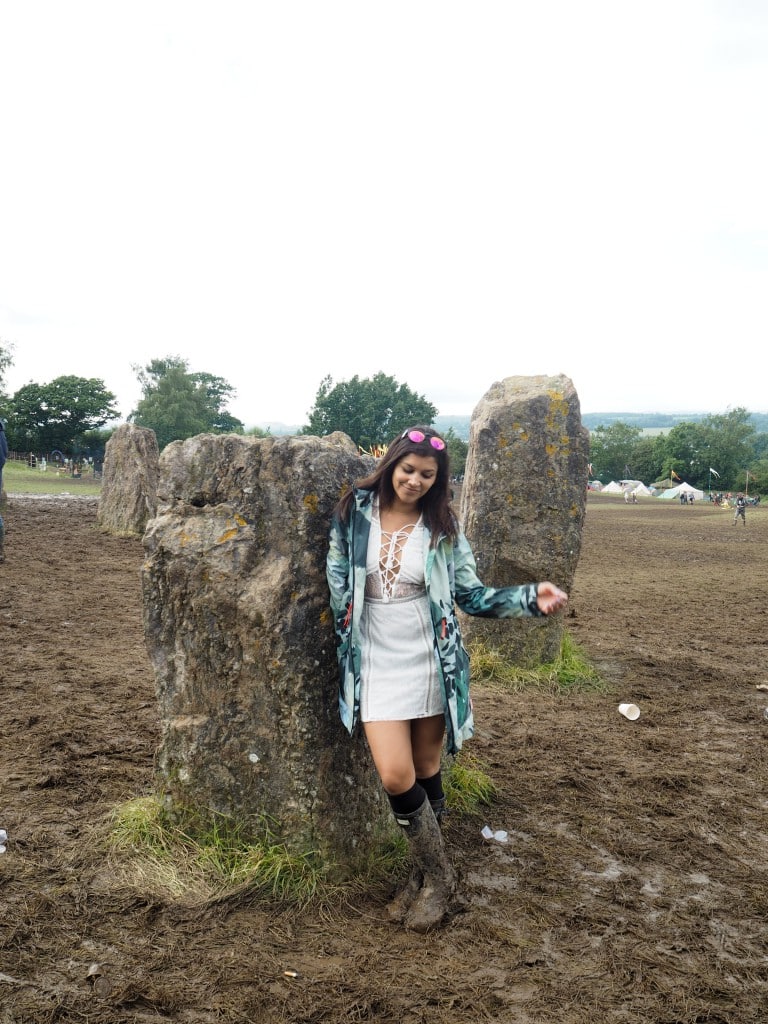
[239,632]
[523,502]
[128,498]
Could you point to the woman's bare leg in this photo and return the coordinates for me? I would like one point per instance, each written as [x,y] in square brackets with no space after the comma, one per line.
[405,751]
[427,745]
[392,753]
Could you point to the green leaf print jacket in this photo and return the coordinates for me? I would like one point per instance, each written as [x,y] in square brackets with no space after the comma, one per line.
[451,579]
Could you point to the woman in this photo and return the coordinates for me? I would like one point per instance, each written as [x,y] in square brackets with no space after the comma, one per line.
[398,564]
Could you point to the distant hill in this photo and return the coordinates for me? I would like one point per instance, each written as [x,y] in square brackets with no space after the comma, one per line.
[460,426]
[276,428]
[658,421]
[649,422]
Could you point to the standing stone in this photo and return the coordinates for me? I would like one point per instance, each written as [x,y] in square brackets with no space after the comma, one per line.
[240,635]
[128,497]
[523,502]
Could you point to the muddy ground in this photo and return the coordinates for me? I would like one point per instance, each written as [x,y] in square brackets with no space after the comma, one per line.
[634,886]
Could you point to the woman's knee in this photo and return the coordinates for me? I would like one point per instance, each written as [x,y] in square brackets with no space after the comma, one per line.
[427,766]
[397,778]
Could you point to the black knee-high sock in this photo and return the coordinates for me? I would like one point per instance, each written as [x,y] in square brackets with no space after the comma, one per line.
[409,801]
[433,787]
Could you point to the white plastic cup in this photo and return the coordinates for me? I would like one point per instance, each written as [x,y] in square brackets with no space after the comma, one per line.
[630,711]
[500,836]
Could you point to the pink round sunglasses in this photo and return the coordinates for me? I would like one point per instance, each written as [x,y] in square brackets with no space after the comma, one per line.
[417,436]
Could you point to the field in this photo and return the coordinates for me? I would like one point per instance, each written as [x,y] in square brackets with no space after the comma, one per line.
[19,478]
[633,888]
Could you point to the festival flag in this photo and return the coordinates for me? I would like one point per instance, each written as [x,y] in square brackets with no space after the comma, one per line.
[673,475]
[715,472]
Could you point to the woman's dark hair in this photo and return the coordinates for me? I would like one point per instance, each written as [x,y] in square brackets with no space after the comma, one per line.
[435,506]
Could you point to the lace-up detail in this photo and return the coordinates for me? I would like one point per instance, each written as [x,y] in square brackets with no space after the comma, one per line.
[390,559]
[398,571]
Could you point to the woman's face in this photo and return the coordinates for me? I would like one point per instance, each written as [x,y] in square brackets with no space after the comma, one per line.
[412,477]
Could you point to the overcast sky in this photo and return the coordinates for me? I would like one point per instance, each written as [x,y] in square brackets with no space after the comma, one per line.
[449,193]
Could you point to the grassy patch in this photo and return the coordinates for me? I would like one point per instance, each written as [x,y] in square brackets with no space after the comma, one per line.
[19,478]
[467,785]
[213,860]
[570,672]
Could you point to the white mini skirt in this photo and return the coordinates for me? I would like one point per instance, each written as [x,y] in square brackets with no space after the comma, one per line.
[399,679]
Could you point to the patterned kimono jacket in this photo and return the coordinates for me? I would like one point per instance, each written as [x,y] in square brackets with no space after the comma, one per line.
[451,579]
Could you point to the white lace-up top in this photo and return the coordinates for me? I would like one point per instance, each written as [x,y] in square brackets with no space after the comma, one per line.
[395,563]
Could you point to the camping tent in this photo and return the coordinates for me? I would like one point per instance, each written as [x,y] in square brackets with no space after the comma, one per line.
[683,488]
[613,488]
[641,489]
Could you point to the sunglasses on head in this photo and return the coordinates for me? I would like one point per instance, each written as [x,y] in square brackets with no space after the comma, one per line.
[417,436]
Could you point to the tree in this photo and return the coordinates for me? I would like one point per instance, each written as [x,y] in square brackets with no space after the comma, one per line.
[457,452]
[611,451]
[758,478]
[731,439]
[92,444]
[647,460]
[177,404]
[47,417]
[686,453]
[6,360]
[370,411]
[761,446]
[726,443]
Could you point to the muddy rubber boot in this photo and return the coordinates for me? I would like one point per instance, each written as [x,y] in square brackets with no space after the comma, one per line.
[440,810]
[400,904]
[434,898]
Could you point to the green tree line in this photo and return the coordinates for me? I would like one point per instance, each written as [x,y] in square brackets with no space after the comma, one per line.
[717,451]
[69,414]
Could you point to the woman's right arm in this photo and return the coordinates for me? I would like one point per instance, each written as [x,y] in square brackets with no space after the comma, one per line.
[337,568]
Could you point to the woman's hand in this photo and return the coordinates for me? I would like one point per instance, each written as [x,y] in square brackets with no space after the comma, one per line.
[550,598]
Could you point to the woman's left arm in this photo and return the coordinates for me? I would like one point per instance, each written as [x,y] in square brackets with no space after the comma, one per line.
[474,598]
